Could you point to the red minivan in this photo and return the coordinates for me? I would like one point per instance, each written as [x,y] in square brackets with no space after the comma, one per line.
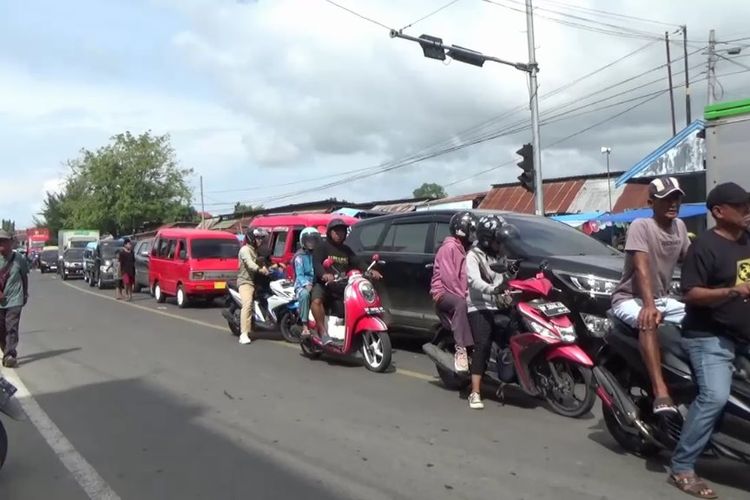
[285,231]
[192,263]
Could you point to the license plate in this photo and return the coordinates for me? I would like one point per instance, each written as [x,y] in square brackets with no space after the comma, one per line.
[551,309]
[220,285]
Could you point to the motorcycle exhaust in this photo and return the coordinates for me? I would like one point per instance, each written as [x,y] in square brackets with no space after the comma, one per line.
[439,356]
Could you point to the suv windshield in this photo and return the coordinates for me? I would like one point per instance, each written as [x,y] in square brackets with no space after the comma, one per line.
[214,248]
[108,248]
[545,238]
[49,255]
[73,254]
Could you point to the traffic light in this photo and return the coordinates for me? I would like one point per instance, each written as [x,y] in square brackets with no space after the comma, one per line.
[527,179]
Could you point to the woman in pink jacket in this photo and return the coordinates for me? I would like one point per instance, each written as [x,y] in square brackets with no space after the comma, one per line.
[450,286]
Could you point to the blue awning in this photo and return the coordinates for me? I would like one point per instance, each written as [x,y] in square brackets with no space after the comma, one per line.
[686,210]
[577,219]
[672,143]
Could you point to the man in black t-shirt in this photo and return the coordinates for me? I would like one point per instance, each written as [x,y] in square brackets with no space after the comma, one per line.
[716,288]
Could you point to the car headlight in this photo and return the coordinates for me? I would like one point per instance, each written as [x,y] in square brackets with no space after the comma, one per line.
[590,284]
[197,276]
[368,292]
[598,326]
[107,263]
[68,264]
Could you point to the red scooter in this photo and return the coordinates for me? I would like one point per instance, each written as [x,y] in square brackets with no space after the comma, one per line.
[358,327]
[543,358]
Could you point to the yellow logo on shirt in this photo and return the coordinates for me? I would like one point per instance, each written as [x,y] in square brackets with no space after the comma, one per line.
[743,272]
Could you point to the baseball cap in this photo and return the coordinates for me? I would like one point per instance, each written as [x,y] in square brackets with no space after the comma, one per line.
[5,235]
[336,223]
[727,193]
[663,187]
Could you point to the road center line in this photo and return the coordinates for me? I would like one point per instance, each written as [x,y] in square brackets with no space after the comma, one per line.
[83,472]
[400,371]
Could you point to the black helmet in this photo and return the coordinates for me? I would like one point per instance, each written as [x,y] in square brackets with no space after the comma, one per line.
[487,227]
[507,232]
[463,226]
[253,234]
[334,224]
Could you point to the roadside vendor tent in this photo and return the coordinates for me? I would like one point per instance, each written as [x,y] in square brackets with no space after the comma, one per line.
[687,210]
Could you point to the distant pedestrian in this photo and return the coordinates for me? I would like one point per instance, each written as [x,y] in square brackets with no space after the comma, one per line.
[14,294]
[127,268]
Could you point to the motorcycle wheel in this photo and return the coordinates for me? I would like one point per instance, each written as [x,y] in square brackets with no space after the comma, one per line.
[377,351]
[3,444]
[564,400]
[309,350]
[288,327]
[629,438]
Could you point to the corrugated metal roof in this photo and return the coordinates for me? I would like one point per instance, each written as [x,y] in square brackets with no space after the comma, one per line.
[398,207]
[633,196]
[594,196]
[558,196]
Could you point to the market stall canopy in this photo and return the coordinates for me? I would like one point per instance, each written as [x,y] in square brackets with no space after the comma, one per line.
[686,210]
[577,220]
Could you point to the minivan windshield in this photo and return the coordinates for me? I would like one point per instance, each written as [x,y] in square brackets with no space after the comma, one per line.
[109,248]
[214,248]
[74,253]
[545,238]
[49,255]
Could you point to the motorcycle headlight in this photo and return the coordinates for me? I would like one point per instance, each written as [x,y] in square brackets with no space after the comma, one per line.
[542,330]
[568,334]
[590,284]
[368,292]
[597,325]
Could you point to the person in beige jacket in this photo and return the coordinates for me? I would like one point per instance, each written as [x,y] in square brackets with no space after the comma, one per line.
[249,270]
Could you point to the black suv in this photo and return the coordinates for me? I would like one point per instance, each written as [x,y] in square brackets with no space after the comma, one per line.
[583,268]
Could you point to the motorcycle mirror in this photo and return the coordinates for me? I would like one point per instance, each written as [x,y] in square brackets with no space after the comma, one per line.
[328,263]
[376,258]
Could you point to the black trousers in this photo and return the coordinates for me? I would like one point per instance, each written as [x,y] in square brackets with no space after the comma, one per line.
[486,328]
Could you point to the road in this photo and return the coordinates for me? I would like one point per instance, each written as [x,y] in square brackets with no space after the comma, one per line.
[146,401]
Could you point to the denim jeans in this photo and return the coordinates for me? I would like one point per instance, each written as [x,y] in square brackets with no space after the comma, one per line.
[712,362]
[303,299]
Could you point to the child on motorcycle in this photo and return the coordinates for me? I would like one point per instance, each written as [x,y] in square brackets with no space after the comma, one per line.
[449,287]
[305,273]
[487,299]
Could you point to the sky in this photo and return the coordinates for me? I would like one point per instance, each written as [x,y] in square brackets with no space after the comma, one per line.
[281,101]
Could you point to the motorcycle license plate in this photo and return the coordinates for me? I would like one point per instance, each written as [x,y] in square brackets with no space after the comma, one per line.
[552,309]
[220,285]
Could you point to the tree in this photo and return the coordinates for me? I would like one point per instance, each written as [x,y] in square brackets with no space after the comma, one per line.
[117,188]
[9,225]
[242,208]
[430,190]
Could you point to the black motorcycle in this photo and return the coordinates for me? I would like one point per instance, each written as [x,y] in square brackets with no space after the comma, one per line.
[624,387]
[11,407]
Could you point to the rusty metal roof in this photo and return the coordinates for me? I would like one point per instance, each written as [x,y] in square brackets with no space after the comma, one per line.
[558,196]
[633,196]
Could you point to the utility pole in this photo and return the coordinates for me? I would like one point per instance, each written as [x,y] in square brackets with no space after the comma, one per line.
[203,208]
[688,116]
[671,87]
[608,151]
[711,66]
[534,105]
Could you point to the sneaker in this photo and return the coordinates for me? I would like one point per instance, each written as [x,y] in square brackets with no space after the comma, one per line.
[475,401]
[461,360]
[245,339]
[10,361]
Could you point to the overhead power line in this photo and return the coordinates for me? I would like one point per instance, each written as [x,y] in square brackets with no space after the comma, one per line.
[606,13]
[355,13]
[439,9]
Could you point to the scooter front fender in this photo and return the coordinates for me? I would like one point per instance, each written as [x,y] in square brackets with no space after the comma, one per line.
[572,353]
[370,324]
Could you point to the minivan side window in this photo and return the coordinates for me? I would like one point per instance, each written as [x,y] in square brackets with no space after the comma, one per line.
[295,240]
[442,231]
[369,236]
[407,238]
[160,250]
[171,248]
[183,255]
[279,244]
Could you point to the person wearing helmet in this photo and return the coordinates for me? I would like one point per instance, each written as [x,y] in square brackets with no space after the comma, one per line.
[449,286]
[343,259]
[250,270]
[487,299]
[305,273]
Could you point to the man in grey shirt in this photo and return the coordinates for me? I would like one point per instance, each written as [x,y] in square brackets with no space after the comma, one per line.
[653,248]
[14,293]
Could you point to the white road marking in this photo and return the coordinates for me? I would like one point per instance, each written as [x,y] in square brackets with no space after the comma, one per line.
[85,475]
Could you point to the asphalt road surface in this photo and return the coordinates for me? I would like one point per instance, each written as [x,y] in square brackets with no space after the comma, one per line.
[146,401]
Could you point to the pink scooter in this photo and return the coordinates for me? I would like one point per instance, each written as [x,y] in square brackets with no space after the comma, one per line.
[543,359]
[360,329]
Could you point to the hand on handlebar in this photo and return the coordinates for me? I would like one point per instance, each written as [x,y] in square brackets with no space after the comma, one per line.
[328,278]
[742,290]
[375,275]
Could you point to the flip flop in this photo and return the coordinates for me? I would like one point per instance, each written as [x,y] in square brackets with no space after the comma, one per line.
[664,405]
[692,485]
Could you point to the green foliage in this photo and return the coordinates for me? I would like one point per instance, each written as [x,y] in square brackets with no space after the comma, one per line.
[9,225]
[430,190]
[130,182]
[242,208]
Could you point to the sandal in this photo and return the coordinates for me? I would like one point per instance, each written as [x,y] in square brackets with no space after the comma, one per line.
[692,485]
[664,404]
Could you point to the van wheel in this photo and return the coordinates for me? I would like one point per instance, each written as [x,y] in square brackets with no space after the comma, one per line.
[91,281]
[100,283]
[158,294]
[182,298]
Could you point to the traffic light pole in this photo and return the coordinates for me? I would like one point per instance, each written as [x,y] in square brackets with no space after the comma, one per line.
[534,105]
